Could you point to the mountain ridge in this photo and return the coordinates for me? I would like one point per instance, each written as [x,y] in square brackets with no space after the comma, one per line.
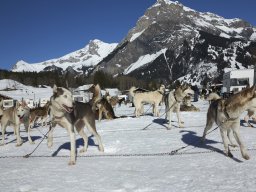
[88,56]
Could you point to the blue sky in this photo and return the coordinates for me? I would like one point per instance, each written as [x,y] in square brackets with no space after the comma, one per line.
[38,30]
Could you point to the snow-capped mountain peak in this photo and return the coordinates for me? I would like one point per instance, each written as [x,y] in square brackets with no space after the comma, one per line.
[171,41]
[88,56]
[170,11]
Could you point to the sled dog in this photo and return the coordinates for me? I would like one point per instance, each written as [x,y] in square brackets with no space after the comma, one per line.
[187,105]
[70,115]
[226,113]
[151,97]
[14,116]
[251,113]
[104,107]
[100,104]
[96,91]
[173,100]
[39,113]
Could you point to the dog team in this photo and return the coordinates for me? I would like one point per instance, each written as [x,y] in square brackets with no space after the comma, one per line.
[73,115]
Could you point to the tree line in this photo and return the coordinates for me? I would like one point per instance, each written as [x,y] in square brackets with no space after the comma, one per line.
[50,78]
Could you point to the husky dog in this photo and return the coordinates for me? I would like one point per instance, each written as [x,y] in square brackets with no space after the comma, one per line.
[39,112]
[103,106]
[69,114]
[226,113]
[152,97]
[96,91]
[100,104]
[187,105]
[250,112]
[14,116]
[173,101]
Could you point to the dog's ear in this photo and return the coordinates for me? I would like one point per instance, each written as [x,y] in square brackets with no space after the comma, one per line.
[17,104]
[55,88]
[24,104]
[254,88]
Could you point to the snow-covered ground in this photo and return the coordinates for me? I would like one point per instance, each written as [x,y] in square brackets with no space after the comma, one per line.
[136,159]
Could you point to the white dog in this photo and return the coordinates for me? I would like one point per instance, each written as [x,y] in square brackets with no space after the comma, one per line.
[151,97]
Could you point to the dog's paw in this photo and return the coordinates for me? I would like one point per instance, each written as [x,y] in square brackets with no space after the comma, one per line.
[18,144]
[71,162]
[246,157]
[101,149]
[233,145]
[82,150]
[49,144]
[32,142]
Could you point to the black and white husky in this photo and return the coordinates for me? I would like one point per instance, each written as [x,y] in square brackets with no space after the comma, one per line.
[69,114]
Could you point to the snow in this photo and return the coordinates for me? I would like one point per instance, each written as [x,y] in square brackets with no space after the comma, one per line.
[253,36]
[22,91]
[194,168]
[136,35]
[143,60]
[225,35]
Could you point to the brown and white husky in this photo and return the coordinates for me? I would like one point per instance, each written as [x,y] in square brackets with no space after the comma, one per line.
[70,115]
[226,114]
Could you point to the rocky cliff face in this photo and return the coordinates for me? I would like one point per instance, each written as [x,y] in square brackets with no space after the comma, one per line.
[171,41]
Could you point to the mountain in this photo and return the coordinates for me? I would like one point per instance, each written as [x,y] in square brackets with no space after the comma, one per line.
[171,41]
[81,60]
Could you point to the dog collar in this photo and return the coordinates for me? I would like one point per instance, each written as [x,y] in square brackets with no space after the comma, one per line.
[227,115]
[160,92]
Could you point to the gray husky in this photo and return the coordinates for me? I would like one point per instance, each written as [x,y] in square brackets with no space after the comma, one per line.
[173,101]
[69,114]
[226,114]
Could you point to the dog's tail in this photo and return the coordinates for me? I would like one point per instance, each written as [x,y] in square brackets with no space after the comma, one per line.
[131,91]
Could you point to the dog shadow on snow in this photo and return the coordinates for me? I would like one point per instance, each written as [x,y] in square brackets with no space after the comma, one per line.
[191,139]
[161,121]
[79,142]
[244,124]
[24,139]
